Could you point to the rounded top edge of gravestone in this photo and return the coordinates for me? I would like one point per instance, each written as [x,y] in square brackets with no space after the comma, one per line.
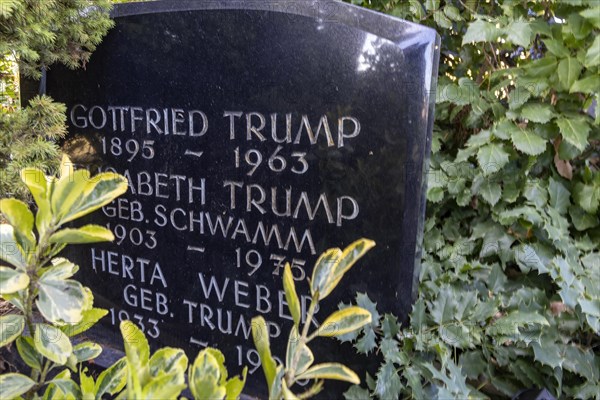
[327,11]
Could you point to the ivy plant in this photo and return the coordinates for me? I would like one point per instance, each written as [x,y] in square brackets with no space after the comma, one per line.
[510,283]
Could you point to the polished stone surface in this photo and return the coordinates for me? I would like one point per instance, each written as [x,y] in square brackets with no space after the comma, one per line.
[315,106]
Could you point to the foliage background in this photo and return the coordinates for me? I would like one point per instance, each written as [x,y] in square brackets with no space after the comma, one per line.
[510,284]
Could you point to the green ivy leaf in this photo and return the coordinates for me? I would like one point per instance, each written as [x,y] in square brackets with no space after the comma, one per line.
[481,31]
[569,70]
[519,32]
[537,112]
[492,158]
[575,131]
[592,57]
[560,197]
[491,192]
[589,84]
[528,142]
[587,196]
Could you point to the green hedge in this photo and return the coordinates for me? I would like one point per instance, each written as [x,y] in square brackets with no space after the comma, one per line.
[510,285]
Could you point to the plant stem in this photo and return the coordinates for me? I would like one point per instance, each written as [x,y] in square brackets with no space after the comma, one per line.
[291,376]
[32,270]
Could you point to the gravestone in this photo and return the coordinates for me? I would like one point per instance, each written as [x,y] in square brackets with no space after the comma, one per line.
[253,133]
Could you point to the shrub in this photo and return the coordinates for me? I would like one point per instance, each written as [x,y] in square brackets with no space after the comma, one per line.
[509,295]
[34,35]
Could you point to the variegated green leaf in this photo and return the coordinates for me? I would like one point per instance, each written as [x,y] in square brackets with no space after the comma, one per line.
[345,321]
[331,371]
[306,357]
[52,343]
[98,192]
[169,361]
[12,280]
[86,351]
[260,336]
[28,353]
[9,249]
[85,234]
[60,300]
[290,294]
[113,379]
[14,385]
[11,326]
[40,187]
[205,376]
[20,217]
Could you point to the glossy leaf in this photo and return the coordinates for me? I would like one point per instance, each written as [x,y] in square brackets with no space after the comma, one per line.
[98,192]
[11,326]
[492,158]
[20,217]
[113,379]
[235,386]
[306,357]
[260,336]
[14,385]
[9,249]
[85,234]
[12,280]
[28,353]
[290,294]
[40,187]
[331,371]
[205,376]
[169,361]
[324,269]
[88,319]
[86,351]
[61,299]
[348,258]
[50,342]
[569,70]
[480,31]
[345,321]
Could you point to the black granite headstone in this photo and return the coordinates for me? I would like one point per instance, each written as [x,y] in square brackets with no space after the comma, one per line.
[253,133]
